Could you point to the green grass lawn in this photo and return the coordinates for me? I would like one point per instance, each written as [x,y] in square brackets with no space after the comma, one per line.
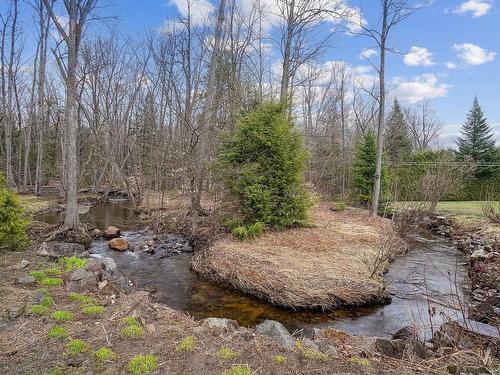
[472,209]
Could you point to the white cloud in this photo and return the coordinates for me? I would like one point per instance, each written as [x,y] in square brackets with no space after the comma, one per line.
[200,10]
[471,54]
[418,56]
[368,53]
[451,65]
[478,8]
[419,88]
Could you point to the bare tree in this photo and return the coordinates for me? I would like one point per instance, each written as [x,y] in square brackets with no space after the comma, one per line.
[392,12]
[423,125]
[77,13]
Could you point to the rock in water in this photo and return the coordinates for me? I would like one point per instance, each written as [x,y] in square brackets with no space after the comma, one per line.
[120,244]
[112,232]
[277,331]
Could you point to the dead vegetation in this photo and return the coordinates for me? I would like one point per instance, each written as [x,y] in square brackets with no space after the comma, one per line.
[492,213]
[328,265]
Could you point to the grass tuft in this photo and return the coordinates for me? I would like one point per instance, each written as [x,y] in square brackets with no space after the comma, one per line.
[280,359]
[360,361]
[83,298]
[58,332]
[39,310]
[39,275]
[104,354]
[130,321]
[314,355]
[47,301]
[93,310]
[238,370]
[63,315]
[53,272]
[73,263]
[187,344]
[226,354]
[142,364]
[76,347]
[132,331]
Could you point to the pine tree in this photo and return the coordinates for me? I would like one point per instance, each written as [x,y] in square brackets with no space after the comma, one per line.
[262,165]
[364,170]
[397,139]
[477,142]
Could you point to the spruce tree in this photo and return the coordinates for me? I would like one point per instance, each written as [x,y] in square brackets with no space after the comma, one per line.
[364,170]
[262,165]
[477,142]
[397,139]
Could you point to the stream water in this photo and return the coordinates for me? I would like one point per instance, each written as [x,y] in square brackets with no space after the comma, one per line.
[426,284]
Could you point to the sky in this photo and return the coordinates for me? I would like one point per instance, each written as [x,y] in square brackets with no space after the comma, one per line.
[448,51]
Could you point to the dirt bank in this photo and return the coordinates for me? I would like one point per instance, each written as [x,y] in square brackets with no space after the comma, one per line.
[325,266]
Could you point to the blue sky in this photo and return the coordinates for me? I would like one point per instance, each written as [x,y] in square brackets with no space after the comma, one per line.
[455,44]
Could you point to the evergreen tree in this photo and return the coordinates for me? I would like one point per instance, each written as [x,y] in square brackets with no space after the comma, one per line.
[262,165]
[13,225]
[397,139]
[364,170]
[477,142]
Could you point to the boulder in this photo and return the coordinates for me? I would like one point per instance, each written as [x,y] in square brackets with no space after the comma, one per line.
[22,264]
[405,333]
[277,331]
[96,234]
[390,348]
[26,280]
[120,244]
[60,249]
[227,325]
[82,281]
[111,232]
[479,254]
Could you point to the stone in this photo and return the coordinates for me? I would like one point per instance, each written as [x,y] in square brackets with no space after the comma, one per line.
[227,325]
[479,254]
[328,348]
[95,266]
[277,331]
[96,234]
[110,264]
[60,249]
[81,280]
[22,264]
[405,333]
[14,310]
[313,332]
[111,232]
[26,280]
[308,343]
[390,348]
[120,244]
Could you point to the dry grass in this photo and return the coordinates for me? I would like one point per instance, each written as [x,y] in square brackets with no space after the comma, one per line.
[326,266]
[32,204]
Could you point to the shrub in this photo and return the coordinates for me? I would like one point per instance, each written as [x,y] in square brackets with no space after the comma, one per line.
[262,166]
[142,364]
[39,310]
[81,298]
[280,359]
[104,355]
[13,225]
[92,310]
[187,344]
[492,213]
[226,354]
[73,263]
[51,281]
[58,332]
[238,370]
[256,229]
[62,315]
[76,347]
[240,232]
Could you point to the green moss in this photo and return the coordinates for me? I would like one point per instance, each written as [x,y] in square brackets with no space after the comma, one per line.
[226,354]
[360,361]
[142,364]
[187,344]
[81,298]
[92,310]
[238,370]
[58,332]
[314,355]
[131,321]
[39,275]
[57,371]
[76,347]
[39,310]
[51,281]
[47,301]
[280,359]
[62,315]
[73,263]
[132,331]
[104,355]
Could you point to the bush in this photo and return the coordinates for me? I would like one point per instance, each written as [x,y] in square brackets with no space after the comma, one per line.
[240,232]
[13,225]
[262,165]
[142,364]
[76,347]
[492,213]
